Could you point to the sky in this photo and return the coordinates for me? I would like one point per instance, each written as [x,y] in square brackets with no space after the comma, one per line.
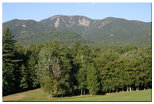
[40,11]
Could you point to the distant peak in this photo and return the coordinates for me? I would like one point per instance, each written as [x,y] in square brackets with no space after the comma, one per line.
[22,20]
[113,18]
[110,18]
[69,16]
[15,19]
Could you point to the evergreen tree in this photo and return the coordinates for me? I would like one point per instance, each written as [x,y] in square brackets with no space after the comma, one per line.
[93,80]
[8,46]
[10,66]
[24,78]
[82,79]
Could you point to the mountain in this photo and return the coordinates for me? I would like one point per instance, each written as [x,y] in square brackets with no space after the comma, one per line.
[80,28]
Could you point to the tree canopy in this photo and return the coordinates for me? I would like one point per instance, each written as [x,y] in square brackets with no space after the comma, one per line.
[76,69]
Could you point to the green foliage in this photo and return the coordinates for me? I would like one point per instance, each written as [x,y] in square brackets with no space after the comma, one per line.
[23,81]
[76,69]
[82,78]
[10,63]
[53,59]
[93,80]
[8,46]
[99,32]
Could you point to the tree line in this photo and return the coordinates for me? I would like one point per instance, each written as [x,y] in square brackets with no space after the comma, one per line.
[74,70]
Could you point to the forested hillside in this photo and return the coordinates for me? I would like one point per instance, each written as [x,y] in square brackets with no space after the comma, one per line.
[70,29]
[77,69]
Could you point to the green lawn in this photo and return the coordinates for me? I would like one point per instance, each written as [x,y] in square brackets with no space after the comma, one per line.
[40,95]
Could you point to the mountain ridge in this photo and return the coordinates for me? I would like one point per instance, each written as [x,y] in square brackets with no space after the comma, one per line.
[110,29]
[78,16]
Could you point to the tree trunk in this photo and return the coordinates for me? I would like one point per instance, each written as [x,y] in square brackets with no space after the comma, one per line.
[81,91]
[127,89]
[116,91]
[130,89]
[50,95]
[84,91]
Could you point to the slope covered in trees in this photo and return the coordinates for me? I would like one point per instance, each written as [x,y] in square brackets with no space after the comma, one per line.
[74,70]
[69,29]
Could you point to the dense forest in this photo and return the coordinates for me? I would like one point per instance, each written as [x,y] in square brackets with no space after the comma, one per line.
[78,69]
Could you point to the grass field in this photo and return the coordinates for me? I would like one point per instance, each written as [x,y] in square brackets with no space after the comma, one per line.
[40,95]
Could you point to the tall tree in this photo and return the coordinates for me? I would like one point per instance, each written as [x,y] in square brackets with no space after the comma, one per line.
[55,64]
[10,66]
[82,79]
[93,80]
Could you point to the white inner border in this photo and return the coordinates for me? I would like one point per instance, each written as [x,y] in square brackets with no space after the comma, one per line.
[1,1]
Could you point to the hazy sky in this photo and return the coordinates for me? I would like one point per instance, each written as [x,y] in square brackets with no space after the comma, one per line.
[39,11]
